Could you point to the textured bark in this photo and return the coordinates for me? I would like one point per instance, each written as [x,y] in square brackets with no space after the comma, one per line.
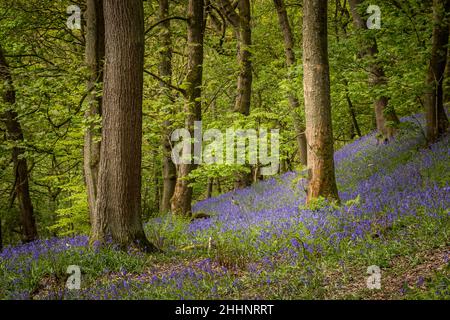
[14,133]
[241,24]
[94,56]
[299,127]
[385,116]
[316,84]
[244,84]
[165,72]
[118,206]
[182,197]
[437,121]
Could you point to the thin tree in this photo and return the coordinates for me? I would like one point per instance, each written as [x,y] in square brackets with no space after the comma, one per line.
[385,115]
[240,21]
[15,134]
[165,73]
[294,103]
[241,25]
[1,236]
[118,207]
[94,57]
[447,79]
[316,84]
[182,197]
[437,121]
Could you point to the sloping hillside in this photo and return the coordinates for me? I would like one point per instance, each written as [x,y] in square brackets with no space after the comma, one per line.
[262,242]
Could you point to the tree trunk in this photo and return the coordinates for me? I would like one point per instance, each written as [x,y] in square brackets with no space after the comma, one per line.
[288,37]
[156,191]
[244,84]
[447,80]
[243,32]
[94,56]
[1,237]
[118,206]
[437,121]
[351,109]
[15,134]
[165,72]
[316,84]
[182,197]
[219,186]
[385,116]
[209,189]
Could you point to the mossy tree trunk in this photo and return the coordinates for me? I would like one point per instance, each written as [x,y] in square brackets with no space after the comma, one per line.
[94,57]
[437,121]
[15,134]
[385,116]
[182,197]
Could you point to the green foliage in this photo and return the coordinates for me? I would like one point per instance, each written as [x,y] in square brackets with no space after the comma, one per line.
[73,217]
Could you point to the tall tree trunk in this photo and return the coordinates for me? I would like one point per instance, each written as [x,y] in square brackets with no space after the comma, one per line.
[241,24]
[14,131]
[437,121]
[94,56]
[118,207]
[316,84]
[165,72]
[288,37]
[244,84]
[385,116]
[243,32]
[447,80]
[182,197]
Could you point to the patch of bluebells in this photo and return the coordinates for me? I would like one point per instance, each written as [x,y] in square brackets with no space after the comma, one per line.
[20,258]
[389,179]
[204,275]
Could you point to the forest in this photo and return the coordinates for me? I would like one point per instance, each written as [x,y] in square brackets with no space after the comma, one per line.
[224,150]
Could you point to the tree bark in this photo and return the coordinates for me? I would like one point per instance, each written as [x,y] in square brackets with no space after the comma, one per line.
[182,197]
[437,121]
[385,116]
[316,83]
[288,37]
[118,207]
[244,84]
[165,72]
[447,80]
[14,133]
[94,56]
[243,33]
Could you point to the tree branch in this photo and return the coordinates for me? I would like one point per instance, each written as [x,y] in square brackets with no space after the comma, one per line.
[182,91]
[164,20]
